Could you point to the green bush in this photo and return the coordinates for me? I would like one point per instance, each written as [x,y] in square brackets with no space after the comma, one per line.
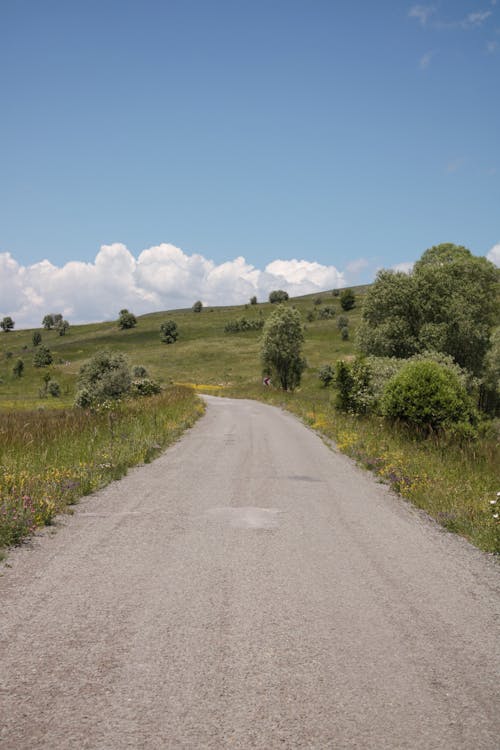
[277,296]
[326,374]
[105,376]
[54,388]
[169,333]
[197,307]
[42,357]
[427,394]
[18,368]
[242,324]
[145,387]
[36,338]
[326,312]
[126,320]
[139,371]
[353,382]
[347,299]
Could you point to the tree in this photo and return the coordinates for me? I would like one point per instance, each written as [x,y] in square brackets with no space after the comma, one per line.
[42,357]
[48,322]
[105,376]
[7,324]
[278,296]
[253,300]
[197,307]
[281,351]
[126,320]
[36,338]
[18,368]
[347,299]
[169,332]
[62,327]
[449,303]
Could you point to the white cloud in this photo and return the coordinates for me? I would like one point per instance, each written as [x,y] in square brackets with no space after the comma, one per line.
[356,266]
[475,19]
[494,255]
[161,278]
[421,13]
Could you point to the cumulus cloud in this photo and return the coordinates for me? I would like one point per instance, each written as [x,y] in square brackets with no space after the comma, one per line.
[162,277]
[494,255]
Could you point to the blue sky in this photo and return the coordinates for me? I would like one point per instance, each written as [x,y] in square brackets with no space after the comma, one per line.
[352,135]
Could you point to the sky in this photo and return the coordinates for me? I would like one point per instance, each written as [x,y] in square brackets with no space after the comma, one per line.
[155,152]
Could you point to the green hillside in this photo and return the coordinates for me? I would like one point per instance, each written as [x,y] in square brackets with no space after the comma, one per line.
[203,354]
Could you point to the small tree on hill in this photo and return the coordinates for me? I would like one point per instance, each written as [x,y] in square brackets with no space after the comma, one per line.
[197,307]
[277,296]
[281,351]
[36,338]
[126,320]
[347,299]
[48,322]
[62,326]
[169,332]
[253,300]
[7,324]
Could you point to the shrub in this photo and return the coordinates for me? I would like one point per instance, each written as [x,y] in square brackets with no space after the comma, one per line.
[354,393]
[253,300]
[281,351]
[342,322]
[344,332]
[197,307]
[139,371]
[311,316]
[62,327]
[36,338]
[426,394]
[347,299]
[18,368]
[42,357]
[169,332]
[326,374]
[318,301]
[145,387]
[126,320]
[238,326]
[277,296]
[54,388]
[326,312]
[105,376]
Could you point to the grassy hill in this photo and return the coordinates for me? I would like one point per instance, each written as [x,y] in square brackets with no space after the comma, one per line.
[203,354]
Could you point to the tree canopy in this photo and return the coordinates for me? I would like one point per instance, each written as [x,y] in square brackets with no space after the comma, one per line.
[281,351]
[448,303]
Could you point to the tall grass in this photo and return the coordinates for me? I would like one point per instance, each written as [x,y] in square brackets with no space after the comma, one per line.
[49,458]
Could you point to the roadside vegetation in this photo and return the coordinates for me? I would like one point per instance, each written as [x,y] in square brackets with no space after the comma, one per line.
[402,375]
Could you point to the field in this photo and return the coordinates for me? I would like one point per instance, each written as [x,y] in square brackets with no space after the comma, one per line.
[454,483]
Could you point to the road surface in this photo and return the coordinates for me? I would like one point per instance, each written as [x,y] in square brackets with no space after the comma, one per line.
[251,588]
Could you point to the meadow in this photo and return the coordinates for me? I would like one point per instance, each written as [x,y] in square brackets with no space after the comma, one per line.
[51,453]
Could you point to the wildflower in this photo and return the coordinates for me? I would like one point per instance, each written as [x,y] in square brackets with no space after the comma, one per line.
[495,515]
[493,502]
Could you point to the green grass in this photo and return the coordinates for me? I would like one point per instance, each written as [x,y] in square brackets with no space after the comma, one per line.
[452,483]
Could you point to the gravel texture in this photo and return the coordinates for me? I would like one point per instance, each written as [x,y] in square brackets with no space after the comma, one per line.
[251,588]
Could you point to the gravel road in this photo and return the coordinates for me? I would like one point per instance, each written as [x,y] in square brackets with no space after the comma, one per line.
[251,588]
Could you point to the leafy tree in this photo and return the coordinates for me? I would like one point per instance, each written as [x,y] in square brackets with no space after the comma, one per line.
[169,332]
[448,303]
[62,327]
[278,296]
[54,388]
[126,320]
[347,299]
[7,324]
[18,368]
[426,394]
[48,322]
[36,338]
[326,374]
[281,351]
[354,393]
[42,357]
[197,307]
[253,300]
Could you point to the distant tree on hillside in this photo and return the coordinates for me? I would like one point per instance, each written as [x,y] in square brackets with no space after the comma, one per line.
[197,307]
[126,320]
[169,332]
[36,338]
[347,299]
[277,296]
[42,357]
[51,320]
[62,326]
[18,368]
[253,300]
[7,324]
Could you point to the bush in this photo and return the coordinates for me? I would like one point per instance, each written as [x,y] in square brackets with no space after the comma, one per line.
[281,351]
[326,374]
[342,322]
[344,332]
[62,327]
[42,357]
[326,312]
[54,388]
[238,326]
[253,300]
[139,371]
[7,324]
[197,307]
[105,376]
[347,299]
[354,392]
[169,333]
[36,338]
[18,368]
[278,296]
[145,387]
[426,394]
[126,320]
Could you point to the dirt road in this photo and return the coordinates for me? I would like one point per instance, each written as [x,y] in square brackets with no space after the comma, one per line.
[249,589]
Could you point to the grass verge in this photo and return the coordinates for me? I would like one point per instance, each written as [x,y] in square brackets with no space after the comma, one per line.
[50,458]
